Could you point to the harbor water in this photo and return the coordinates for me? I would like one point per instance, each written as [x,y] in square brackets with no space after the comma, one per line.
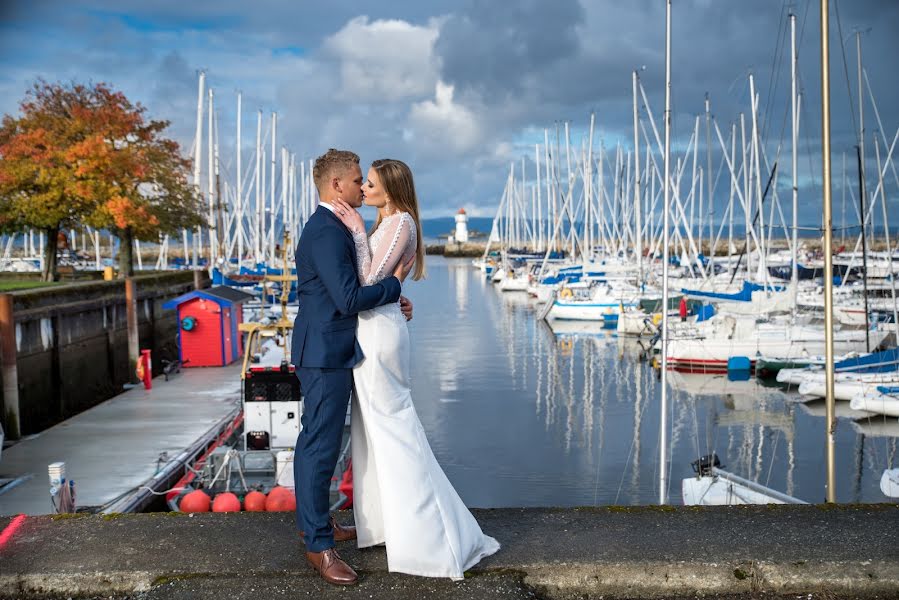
[522,414]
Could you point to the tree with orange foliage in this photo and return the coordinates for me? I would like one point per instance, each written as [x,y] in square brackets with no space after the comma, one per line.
[83,154]
[138,177]
[38,187]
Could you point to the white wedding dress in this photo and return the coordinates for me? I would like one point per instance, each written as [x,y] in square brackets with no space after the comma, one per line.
[401,497]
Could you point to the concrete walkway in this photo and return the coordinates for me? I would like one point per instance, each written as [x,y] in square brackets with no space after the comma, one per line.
[842,551]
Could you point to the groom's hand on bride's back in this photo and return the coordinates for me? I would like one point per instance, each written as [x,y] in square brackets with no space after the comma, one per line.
[406,307]
[403,268]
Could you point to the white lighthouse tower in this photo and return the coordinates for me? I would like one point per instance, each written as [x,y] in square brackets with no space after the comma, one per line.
[461,234]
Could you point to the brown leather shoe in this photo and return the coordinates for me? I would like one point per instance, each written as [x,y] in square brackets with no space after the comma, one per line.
[332,568]
[341,533]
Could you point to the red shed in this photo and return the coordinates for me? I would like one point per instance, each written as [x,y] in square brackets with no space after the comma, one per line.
[207,326]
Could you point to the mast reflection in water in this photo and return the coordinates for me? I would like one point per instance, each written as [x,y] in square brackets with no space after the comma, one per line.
[520,414]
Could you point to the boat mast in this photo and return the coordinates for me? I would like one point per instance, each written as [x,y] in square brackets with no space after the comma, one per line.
[708,148]
[830,422]
[731,249]
[638,224]
[198,146]
[239,190]
[538,215]
[260,223]
[568,195]
[270,236]
[210,179]
[588,202]
[793,101]
[756,154]
[863,210]
[862,184]
[663,427]
[550,206]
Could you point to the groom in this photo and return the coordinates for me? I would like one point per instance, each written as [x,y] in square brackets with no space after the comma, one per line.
[325,350]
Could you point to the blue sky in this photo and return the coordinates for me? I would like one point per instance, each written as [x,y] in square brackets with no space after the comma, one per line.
[457,89]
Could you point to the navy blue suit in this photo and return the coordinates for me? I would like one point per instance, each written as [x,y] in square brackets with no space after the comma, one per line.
[324,351]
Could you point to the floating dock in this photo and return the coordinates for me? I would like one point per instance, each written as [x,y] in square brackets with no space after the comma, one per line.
[122,451]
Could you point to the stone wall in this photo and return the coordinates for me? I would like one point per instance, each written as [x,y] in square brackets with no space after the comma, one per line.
[72,343]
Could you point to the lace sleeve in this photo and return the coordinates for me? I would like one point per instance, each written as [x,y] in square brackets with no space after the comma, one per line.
[363,255]
[391,248]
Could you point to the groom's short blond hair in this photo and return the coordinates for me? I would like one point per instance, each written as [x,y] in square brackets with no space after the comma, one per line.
[330,164]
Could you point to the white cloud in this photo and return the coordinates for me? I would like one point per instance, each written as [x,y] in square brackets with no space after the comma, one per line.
[443,124]
[385,60]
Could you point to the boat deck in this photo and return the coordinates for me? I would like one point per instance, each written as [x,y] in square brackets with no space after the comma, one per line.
[114,448]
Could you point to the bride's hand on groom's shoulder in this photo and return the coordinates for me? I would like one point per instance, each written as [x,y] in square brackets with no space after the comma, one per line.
[349,216]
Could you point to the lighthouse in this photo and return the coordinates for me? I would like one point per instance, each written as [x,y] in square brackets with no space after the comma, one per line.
[461,234]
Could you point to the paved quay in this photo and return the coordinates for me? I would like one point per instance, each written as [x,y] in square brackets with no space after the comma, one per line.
[843,551]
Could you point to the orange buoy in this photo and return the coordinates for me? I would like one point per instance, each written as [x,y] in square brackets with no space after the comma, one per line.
[226,502]
[278,490]
[195,501]
[280,499]
[254,501]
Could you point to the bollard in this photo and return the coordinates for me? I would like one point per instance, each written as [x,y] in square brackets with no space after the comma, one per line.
[145,369]
[198,279]
[108,274]
[8,369]
[131,319]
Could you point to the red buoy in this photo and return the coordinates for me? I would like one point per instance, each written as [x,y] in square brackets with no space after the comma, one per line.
[195,501]
[280,499]
[254,502]
[226,502]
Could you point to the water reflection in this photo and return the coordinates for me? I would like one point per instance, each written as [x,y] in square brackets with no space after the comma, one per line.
[523,414]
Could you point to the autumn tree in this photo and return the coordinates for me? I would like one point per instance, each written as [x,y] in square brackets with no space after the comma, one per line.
[39,188]
[138,177]
[87,155]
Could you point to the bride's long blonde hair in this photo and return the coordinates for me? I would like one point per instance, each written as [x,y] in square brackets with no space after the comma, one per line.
[396,177]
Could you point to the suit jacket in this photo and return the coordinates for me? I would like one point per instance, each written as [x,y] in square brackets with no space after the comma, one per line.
[330,296]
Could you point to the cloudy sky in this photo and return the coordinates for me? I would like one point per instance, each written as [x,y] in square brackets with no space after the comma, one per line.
[460,89]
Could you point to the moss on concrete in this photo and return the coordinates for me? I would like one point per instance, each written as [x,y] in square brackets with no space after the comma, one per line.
[65,516]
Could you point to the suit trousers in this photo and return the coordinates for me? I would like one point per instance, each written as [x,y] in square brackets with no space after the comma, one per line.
[326,393]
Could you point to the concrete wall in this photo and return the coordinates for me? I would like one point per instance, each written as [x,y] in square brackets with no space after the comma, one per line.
[72,344]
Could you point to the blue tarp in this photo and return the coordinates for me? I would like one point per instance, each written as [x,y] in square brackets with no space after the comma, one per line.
[705,312]
[553,279]
[744,295]
[876,362]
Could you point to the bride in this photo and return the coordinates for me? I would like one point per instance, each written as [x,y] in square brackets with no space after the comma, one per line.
[401,497]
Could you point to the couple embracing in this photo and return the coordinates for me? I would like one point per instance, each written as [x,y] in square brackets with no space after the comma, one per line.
[350,339]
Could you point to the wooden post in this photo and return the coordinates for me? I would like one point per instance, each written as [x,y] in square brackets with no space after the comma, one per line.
[198,279]
[133,333]
[8,369]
